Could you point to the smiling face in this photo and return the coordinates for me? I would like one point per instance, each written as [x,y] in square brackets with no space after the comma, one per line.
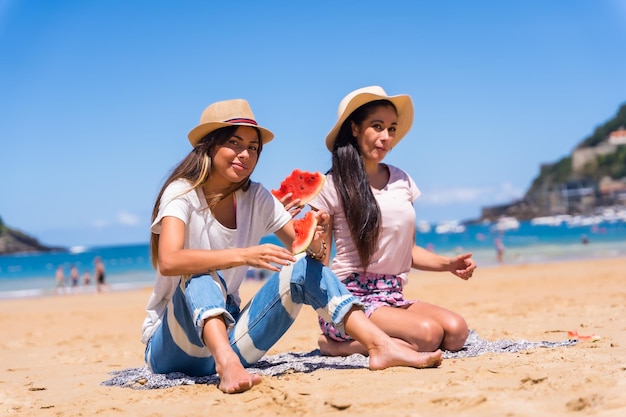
[235,159]
[376,132]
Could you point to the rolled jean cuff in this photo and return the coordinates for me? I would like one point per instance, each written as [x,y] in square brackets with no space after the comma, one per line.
[208,312]
[342,309]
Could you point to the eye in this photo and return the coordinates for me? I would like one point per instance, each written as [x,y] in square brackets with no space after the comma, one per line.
[392,129]
[253,148]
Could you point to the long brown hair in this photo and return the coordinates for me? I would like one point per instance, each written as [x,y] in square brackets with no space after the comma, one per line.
[352,184]
[196,168]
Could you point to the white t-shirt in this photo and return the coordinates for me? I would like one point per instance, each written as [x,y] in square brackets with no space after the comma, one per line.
[259,213]
[393,251]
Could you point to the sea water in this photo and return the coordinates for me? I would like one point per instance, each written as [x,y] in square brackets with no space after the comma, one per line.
[129,266]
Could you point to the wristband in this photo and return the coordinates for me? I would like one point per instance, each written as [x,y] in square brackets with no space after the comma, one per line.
[319,255]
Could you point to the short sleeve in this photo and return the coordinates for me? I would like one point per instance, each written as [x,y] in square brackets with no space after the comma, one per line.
[276,215]
[413,189]
[175,203]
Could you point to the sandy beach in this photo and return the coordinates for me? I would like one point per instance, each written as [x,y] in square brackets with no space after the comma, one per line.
[56,351]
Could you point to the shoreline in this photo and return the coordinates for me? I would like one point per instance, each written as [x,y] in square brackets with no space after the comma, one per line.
[119,286]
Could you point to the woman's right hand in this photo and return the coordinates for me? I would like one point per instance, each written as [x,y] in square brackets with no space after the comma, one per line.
[268,256]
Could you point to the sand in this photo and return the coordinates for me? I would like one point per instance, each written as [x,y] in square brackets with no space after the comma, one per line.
[55,351]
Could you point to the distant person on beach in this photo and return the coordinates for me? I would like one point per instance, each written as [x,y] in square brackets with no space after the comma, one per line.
[584,239]
[207,223]
[86,278]
[499,249]
[60,280]
[370,204]
[74,277]
[100,274]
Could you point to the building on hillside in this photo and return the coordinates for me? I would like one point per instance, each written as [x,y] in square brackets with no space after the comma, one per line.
[583,156]
[612,192]
[578,196]
[618,137]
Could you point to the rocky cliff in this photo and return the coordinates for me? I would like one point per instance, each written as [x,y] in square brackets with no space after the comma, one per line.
[15,241]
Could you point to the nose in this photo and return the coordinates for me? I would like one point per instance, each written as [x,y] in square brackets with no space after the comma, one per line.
[384,134]
[244,153]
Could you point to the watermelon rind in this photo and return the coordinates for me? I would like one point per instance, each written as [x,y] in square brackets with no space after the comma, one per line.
[305,231]
[303,185]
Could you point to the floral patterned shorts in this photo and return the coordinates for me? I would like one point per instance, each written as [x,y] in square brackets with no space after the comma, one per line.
[374,290]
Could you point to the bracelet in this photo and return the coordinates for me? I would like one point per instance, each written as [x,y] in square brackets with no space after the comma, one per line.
[319,255]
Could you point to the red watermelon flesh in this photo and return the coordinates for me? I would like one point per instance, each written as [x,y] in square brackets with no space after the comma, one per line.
[305,230]
[303,185]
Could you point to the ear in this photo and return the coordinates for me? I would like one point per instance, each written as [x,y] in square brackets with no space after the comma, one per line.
[355,129]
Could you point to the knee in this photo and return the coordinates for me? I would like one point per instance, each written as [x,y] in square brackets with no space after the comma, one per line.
[428,336]
[456,333]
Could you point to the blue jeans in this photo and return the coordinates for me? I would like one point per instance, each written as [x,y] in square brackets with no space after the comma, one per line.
[177,345]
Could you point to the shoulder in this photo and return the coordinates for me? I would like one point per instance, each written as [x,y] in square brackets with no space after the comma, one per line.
[180,190]
[180,186]
[401,179]
[329,180]
[395,172]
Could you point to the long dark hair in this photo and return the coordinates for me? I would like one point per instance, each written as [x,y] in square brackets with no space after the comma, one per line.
[353,186]
[196,168]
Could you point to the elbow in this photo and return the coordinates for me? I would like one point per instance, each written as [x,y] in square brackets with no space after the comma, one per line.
[167,266]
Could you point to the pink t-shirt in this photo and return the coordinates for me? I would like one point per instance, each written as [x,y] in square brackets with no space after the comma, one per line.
[395,244]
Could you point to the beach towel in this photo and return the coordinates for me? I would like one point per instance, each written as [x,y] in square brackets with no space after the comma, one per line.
[284,363]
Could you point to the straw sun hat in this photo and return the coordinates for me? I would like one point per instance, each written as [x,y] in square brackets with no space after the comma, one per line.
[234,112]
[365,95]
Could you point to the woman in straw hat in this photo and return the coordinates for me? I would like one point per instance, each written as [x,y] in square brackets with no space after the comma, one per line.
[373,223]
[207,223]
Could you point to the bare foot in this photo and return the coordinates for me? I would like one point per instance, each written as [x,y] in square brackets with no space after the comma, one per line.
[234,378]
[395,354]
[330,347]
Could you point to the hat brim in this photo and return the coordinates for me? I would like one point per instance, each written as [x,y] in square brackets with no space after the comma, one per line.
[197,133]
[402,102]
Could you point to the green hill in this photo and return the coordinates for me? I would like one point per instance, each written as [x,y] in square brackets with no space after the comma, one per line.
[612,165]
[592,176]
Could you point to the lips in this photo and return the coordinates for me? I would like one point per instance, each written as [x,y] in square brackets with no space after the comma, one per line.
[239,166]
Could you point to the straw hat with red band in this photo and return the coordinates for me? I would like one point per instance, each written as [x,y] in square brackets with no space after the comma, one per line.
[357,98]
[234,112]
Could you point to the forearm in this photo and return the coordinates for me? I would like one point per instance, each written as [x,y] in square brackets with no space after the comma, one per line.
[425,260]
[194,261]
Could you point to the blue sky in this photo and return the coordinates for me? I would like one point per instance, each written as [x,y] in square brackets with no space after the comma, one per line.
[97,97]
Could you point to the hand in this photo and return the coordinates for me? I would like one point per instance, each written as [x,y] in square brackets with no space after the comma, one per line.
[462,266]
[267,256]
[292,206]
[321,238]
[323,225]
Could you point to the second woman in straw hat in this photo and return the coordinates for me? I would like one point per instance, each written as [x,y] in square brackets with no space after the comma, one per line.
[207,224]
[373,225]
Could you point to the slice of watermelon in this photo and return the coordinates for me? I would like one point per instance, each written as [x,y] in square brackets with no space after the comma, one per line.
[305,230]
[303,185]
